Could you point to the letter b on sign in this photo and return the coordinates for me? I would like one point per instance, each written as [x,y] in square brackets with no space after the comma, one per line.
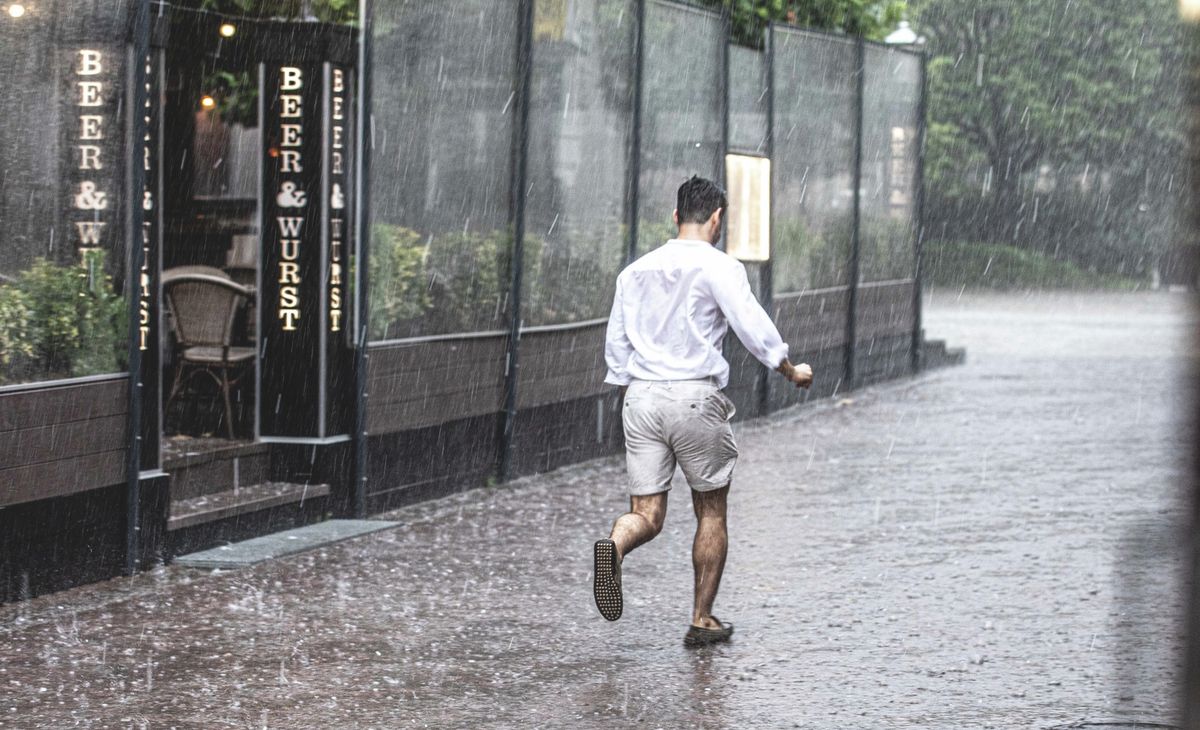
[89,63]
[290,78]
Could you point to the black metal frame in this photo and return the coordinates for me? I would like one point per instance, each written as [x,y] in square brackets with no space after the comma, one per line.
[634,168]
[726,54]
[151,359]
[850,380]
[519,155]
[523,70]
[358,498]
[767,269]
[135,133]
[919,239]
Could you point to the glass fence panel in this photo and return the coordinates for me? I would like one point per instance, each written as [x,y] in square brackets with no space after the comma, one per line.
[747,101]
[580,119]
[813,160]
[63,165]
[891,148]
[440,140]
[683,105]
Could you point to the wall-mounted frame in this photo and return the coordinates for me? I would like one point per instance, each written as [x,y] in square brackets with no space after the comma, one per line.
[748,221]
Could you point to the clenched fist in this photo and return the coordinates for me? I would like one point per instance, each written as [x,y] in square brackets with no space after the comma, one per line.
[801,375]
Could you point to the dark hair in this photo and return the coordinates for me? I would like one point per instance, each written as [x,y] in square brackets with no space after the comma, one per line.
[697,200]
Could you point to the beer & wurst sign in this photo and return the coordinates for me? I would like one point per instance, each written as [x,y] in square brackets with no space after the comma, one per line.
[305,214]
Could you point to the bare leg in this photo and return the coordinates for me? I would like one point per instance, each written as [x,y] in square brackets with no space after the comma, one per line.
[641,524]
[708,552]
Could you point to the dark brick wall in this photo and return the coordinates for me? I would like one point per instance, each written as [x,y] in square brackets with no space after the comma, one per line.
[410,386]
[57,543]
[425,463]
[561,365]
[550,436]
[885,325]
[63,439]
[60,542]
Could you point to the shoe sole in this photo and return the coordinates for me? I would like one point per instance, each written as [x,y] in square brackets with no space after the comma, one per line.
[606,587]
[697,636]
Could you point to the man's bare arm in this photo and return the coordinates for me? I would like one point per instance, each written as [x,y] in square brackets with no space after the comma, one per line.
[801,375]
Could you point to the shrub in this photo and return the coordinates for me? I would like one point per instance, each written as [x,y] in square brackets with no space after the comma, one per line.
[805,257]
[397,293]
[996,266]
[62,321]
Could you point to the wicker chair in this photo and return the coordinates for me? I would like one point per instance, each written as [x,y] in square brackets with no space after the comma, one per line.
[203,304]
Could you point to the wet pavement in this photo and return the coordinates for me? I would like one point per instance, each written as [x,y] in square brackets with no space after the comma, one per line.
[986,546]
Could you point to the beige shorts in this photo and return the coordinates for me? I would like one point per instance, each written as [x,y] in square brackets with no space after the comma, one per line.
[684,422]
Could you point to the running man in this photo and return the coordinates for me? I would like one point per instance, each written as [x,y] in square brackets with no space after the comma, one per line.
[669,318]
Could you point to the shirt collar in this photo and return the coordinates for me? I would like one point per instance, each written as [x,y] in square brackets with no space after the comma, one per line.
[689,241]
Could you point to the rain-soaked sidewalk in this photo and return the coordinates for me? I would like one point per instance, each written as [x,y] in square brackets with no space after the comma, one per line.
[987,546]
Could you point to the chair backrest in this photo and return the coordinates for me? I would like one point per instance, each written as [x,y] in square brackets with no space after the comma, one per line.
[177,271]
[203,308]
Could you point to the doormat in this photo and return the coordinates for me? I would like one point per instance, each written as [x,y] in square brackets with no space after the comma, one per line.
[281,544]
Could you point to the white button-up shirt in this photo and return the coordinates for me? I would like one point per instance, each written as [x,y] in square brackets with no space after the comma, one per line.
[672,309]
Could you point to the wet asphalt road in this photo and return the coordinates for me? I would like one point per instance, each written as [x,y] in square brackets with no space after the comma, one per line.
[987,546]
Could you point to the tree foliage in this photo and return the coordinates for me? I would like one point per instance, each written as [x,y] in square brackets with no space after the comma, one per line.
[326,11]
[1055,125]
[869,18]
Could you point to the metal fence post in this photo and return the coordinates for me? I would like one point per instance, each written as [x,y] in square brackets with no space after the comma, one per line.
[855,239]
[768,269]
[520,149]
[366,9]
[727,19]
[634,171]
[919,239]
[135,134]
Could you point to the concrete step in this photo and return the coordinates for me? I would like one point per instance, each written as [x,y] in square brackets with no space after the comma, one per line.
[200,467]
[229,503]
[935,354]
[281,544]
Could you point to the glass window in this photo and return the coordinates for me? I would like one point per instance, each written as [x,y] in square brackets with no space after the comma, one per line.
[891,98]
[747,101]
[580,119]
[62,168]
[813,154]
[683,107]
[440,137]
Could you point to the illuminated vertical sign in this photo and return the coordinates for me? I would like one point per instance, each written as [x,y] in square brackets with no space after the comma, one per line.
[290,291]
[307,207]
[94,168]
[338,206]
[146,324]
[150,276]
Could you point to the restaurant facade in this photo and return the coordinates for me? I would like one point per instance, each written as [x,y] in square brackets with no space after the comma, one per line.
[267,263]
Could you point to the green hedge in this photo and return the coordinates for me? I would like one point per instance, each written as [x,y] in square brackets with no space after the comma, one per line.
[995,266]
[61,321]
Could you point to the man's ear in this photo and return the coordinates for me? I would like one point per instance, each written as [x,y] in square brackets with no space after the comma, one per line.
[675,216]
[715,219]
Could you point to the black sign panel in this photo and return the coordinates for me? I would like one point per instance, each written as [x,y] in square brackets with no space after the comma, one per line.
[150,278]
[291,293]
[339,196]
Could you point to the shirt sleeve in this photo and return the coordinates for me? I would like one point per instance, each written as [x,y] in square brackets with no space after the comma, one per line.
[746,316]
[617,347]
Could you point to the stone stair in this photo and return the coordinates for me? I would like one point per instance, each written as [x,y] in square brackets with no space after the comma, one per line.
[935,354]
[223,492]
